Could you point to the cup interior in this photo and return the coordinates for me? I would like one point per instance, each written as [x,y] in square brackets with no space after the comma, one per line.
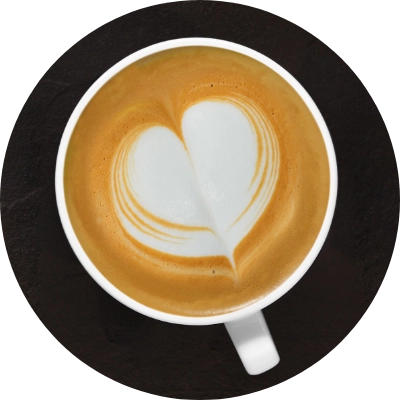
[91,268]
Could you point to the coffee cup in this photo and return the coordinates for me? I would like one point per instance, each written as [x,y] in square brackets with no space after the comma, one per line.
[204,240]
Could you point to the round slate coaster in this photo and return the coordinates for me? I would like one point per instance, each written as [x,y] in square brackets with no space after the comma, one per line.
[308,322]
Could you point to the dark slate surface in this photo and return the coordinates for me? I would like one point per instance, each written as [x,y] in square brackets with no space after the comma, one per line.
[185,361]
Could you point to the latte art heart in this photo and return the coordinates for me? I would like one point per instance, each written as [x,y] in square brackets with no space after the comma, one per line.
[198,194]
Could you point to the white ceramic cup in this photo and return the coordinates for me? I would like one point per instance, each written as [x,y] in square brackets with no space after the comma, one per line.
[247,327]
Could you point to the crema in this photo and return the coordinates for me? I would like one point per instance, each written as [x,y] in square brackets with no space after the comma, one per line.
[196,180]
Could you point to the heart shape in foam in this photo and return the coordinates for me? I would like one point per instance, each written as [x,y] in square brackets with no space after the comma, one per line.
[199,194]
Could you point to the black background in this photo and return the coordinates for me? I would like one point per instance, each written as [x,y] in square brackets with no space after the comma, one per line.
[369,37]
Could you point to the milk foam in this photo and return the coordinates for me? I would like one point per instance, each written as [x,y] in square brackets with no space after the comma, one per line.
[200,194]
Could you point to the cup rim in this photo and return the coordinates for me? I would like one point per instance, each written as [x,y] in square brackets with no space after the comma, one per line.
[88,264]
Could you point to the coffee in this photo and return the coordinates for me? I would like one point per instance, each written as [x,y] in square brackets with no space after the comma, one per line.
[196,180]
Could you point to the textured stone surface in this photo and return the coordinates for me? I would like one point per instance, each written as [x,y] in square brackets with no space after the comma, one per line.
[185,361]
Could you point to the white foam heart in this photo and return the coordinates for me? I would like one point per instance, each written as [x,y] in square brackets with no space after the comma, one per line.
[199,196]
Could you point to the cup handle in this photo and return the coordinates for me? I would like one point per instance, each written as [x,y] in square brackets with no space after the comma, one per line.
[254,343]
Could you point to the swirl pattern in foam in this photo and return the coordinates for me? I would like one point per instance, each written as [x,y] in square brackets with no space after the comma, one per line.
[200,195]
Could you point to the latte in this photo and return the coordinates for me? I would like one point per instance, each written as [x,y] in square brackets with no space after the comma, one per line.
[196,180]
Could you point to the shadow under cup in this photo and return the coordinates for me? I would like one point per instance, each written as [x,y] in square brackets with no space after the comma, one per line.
[196,181]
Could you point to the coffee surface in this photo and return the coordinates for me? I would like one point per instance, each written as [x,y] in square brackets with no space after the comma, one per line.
[196,180]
